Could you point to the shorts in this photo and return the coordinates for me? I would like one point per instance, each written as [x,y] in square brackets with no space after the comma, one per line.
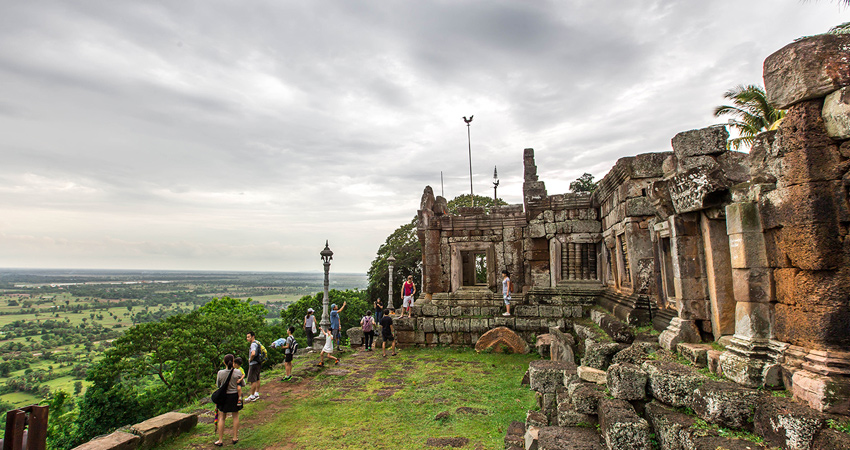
[287,357]
[253,373]
[507,299]
[408,302]
[387,337]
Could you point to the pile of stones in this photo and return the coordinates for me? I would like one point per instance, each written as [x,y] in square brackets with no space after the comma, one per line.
[638,396]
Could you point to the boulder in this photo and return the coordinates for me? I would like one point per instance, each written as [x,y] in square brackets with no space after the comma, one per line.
[355,336]
[118,440]
[599,354]
[164,426]
[502,338]
[671,383]
[590,374]
[627,381]
[636,353]
[548,376]
[621,426]
[725,404]
[787,424]
[705,141]
[807,69]
[569,438]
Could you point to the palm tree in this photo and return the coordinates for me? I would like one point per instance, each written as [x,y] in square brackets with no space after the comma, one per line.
[752,114]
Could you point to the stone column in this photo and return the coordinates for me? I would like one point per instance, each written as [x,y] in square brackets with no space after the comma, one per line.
[688,282]
[752,282]
[718,268]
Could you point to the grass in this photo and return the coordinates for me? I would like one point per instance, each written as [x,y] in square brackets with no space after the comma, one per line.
[704,428]
[353,412]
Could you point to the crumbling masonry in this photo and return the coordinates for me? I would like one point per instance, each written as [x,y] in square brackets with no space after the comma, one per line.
[751,250]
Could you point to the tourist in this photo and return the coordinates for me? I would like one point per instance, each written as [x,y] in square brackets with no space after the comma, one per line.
[231,403]
[379,310]
[507,287]
[367,324]
[387,333]
[310,327]
[328,349]
[287,353]
[237,364]
[408,289]
[335,323]
[254,366]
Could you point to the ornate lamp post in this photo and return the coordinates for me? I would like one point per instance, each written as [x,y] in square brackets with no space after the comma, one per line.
[391,261]
[327,256]
[495,184]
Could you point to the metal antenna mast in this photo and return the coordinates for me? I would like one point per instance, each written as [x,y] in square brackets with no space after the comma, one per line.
[469,140]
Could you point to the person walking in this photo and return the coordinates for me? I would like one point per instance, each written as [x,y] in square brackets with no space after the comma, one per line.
[309,327]
[408,290]
[254,366]
[387,333]
[335,323]
[367,324]
[507,287]
[379,310]
[231,402]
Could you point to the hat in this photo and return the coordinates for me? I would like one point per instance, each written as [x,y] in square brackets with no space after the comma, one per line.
[309,310]
[333,306]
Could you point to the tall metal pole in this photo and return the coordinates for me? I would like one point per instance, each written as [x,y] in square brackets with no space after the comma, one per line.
[327,256]
[495,185]
[390,260]
[469,141]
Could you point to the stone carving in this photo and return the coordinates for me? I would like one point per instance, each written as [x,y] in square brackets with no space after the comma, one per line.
[496,338]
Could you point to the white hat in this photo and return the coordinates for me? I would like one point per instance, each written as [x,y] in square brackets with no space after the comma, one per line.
[309,310]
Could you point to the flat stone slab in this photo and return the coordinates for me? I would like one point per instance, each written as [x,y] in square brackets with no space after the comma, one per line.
[118,440]
[786,423]
[568,438]
[695,353]
[725,404]
[591,375]
[157,429]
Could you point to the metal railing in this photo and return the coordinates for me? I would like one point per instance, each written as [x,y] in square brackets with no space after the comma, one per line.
[26,429]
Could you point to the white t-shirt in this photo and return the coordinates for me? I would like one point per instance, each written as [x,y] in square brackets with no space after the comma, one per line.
[329,345]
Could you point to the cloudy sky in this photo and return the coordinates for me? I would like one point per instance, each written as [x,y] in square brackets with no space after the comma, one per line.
[241,135]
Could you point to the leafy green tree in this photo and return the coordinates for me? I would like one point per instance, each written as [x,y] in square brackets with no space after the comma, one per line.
[357,302]
[583,183]
[751,114]
[465,201]
[844,28]
[403,245]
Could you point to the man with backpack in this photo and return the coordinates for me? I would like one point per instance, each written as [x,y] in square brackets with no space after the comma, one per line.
[256,357]
[367,323]
[289,349]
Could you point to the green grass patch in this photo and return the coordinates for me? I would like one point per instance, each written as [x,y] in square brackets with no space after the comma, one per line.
[704,428]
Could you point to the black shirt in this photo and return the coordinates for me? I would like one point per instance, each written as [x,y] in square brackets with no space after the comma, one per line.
[386,322]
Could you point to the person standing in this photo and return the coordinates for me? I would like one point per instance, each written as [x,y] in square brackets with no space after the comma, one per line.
[408,290]
[287,353]
[387,332]
[328,349]
[231,402]
[507,287]
[335,323]
[379,310]
[367,324]
[254,366]
[309,324]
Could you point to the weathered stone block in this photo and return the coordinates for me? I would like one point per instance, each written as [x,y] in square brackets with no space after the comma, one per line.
[753,285]
[753,320]
[827,394]
[586,397]
[828,438]
[678,331]
[636,353]
[118,440]
[621,426]
[591,375]
[747,250]
[705,141]
[816,326]
[639,206]
[695,353]
[806,69]
[812,246]
[672,383]
[536,419]
[527,311]
[713,362]
[502,339]
[743,217]
[617,330]
[786,424]
[548,376]
[627,381]
[725,404]
[599,354]
[157,429]
[569,438]
[672,428]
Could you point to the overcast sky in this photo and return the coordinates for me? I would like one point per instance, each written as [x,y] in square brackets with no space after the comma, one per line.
[241,135]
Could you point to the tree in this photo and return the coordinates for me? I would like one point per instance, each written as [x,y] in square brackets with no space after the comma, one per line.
[844,28]
[752,114]
[583,183]
[403,245]
[465,201]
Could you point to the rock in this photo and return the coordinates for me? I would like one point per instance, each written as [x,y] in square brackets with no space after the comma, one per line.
[705,141]
[500,337]
[672,383]
[828,439]
[535,419]
[621,426]
[618,331]
[627,381]
[786,424]
[441,207]
[695,353]
[590,374]
[836,114]
[599,354]
[118,440]
[713,360]
[569,438]
[569,417]
[678,331]
[355,336]
[561,348]
[164,426]
[807,69]
[725,404]
[636,353]
[586,397]
[548,376]
[453,442]
[672,428]
[525,379]
[530,438]
[543,345]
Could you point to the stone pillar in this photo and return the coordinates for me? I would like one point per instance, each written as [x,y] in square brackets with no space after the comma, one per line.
[752,282]
[688,281]
[555,249]
[718,268]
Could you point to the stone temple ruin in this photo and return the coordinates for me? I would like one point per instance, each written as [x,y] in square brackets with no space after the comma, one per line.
[705,244]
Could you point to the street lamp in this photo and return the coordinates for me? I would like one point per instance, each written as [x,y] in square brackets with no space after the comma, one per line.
[391,261]
[495,185]
[327,256]
[469,141]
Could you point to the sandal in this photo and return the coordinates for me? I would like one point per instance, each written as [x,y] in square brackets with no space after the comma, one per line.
[321,364]
[395,354]
[234,441]
[218,444]
[336,362]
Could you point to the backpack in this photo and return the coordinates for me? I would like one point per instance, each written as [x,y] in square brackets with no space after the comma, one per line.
[262,355]
[367,323]
[293,346]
